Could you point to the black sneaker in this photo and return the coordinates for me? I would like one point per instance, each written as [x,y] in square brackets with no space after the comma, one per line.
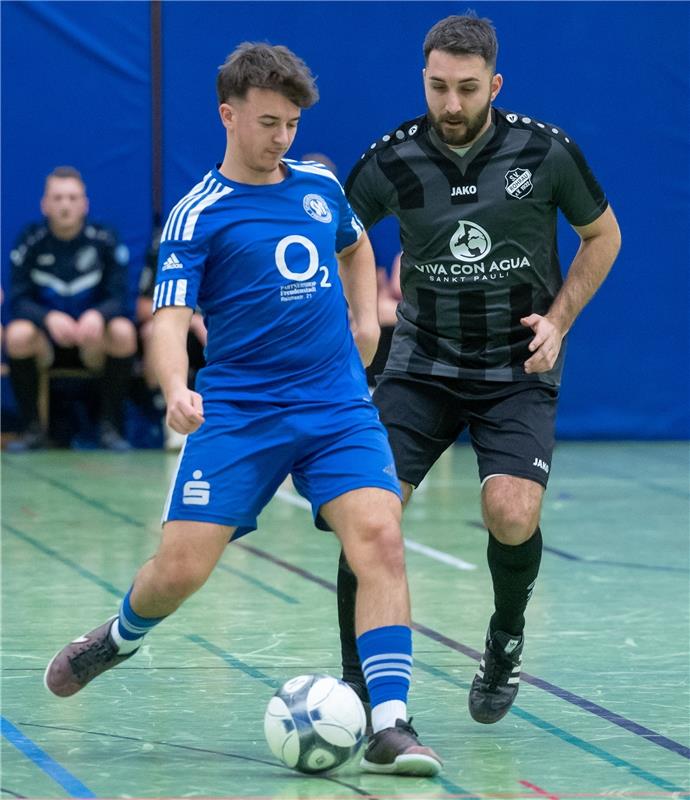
[33,438]
[110,439]
[397,751]
[83,660]
[497,681]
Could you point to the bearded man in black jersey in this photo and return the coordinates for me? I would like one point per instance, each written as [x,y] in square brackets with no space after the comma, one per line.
[480,336]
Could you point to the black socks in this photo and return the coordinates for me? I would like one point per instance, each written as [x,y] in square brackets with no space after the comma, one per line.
[24,375]
[514,569]
[347,590]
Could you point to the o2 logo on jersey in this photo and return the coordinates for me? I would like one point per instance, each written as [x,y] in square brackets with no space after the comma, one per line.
[313,267]
[317,208]
[470,242]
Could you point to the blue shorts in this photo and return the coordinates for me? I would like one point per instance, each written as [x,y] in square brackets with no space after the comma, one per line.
[232,466]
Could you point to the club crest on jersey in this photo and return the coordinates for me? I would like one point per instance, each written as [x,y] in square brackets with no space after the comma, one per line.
[470,242]
[317,208]
[519,183]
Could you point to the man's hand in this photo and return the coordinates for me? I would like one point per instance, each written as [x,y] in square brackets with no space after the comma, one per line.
[367,340]
[546,344]
[62,328]
[185,412]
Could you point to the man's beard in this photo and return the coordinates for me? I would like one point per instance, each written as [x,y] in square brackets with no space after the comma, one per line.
[458,137]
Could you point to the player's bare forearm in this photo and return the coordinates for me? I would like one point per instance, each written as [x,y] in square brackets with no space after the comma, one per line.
[171,363]
[358,275]
[599,246]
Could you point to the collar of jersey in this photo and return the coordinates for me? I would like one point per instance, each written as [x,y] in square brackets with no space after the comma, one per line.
[257,187]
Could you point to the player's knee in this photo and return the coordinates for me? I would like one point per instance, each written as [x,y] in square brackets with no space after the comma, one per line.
[21,339]
[381,546]
[177,578]
[121,337]
[511,524]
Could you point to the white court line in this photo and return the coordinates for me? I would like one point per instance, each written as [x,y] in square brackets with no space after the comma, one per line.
[410,544]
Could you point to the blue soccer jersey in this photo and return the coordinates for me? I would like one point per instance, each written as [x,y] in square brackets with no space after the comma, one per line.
[259,260]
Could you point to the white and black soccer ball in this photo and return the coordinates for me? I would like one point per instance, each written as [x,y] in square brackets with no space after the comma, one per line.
[314,723]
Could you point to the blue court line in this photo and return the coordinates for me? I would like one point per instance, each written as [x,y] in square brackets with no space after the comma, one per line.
[563,694]
[236,663]
[275,764]
[564,735]
[286,598]
[605,562]
[43,761]
[595,562]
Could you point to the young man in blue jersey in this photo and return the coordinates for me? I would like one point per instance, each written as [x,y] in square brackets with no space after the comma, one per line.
[254,244]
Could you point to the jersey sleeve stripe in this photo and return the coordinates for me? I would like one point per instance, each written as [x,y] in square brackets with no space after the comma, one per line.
[315,170]
[155,295]
[176,232]
[176,208]
[180,292]
[193,215]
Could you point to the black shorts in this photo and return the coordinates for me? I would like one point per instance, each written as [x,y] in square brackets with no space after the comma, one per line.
[511,425]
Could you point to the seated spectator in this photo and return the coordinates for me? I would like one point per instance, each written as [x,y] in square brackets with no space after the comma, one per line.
[67,302]
[196,338]
[389,295]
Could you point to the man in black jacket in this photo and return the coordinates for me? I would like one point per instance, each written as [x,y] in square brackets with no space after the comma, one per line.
[69,283]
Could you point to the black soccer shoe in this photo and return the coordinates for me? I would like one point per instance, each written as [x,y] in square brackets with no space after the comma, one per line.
[398,751]
[82,660]
[497,681]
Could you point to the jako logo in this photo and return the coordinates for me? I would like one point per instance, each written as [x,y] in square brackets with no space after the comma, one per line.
[196,492]
[458,191]
[541,464]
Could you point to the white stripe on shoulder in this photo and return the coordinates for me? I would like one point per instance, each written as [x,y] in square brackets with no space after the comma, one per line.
[195,212]
[313,168]
[176,232]
[195,191]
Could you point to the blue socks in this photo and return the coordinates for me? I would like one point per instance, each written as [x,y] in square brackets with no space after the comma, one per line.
[386,656]
[129,628]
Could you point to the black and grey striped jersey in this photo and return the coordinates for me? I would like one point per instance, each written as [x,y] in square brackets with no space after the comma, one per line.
[479,240]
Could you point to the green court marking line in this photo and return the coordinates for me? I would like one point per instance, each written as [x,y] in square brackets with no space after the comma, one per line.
[565,736]
[239,757]
[68,562]
[259,584]
[73,786]
[551,729]
[78,495]
[233,661]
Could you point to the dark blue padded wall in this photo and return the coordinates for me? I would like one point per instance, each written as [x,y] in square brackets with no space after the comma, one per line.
[616,76]
[76,90]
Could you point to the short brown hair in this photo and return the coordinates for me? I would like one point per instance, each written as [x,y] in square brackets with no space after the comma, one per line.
[464,35]
[265,66]
[65,172]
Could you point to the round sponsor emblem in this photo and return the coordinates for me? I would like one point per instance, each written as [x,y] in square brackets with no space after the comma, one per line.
[470,242]
[317,208]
